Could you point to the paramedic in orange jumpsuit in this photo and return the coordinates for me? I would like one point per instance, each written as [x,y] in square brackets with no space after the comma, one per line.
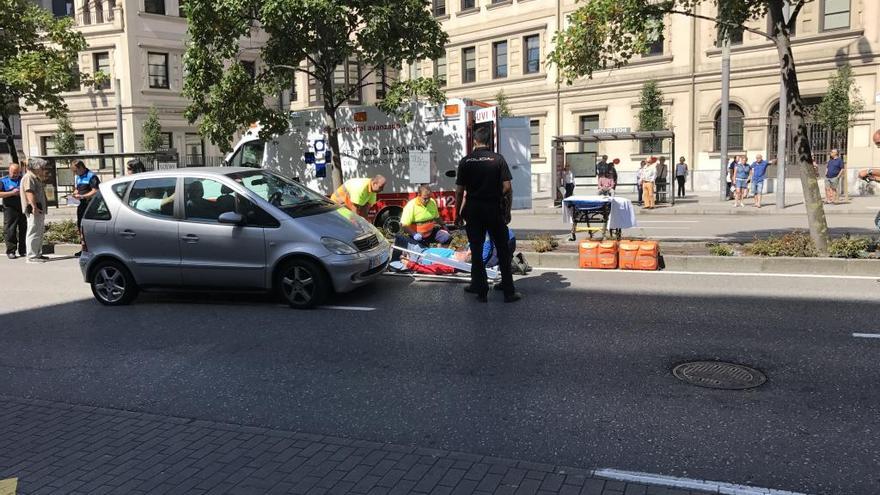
[358,195]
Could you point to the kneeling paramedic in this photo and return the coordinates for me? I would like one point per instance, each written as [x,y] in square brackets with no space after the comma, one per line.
[421,219]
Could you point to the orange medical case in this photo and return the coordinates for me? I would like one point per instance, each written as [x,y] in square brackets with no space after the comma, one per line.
[588,254]
[648,257]
[607,255]
[628,253]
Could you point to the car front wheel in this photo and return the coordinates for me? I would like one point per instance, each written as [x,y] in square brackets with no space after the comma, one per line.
[112,284]
[303,284]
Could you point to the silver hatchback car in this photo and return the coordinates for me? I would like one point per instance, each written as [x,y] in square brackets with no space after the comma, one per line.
[225,228]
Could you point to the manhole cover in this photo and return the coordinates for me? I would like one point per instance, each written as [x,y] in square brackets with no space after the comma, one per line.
[715,374]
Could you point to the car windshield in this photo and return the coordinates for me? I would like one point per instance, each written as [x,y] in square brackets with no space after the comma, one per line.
[281,192]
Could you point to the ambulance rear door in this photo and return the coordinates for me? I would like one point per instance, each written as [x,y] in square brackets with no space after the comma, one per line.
[514,139]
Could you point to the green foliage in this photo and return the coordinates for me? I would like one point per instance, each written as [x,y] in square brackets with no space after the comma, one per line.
[720,249]
[38,58]
[849,247]
[400,97]
[651,117]
[151,132]
[544,243]
[794,244]
[503,104]
[63,232]
[842,103]
[65,138]
[311,36]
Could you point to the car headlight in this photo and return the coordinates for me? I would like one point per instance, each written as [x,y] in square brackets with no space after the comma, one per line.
[336,246]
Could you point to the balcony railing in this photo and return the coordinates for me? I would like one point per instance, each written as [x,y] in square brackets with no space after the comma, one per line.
[95,12]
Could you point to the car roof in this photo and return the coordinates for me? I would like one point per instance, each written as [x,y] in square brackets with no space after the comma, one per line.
[177,172]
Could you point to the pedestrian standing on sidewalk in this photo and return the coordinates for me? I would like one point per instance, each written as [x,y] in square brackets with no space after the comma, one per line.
[568,181]
[33,198]
[85,184]
[649,176]
[742,174]
[482,181]
[731,172]
[832,178]
[661,180]
[14,220]
[759,175]
[639,175]
[681,173]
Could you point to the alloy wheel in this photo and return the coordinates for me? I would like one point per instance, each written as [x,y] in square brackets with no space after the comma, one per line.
[110,284]
[298,285]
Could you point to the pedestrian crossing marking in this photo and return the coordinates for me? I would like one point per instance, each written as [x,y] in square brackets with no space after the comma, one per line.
[8,486]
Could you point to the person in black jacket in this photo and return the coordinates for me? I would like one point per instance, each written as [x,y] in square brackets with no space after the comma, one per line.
[482,182]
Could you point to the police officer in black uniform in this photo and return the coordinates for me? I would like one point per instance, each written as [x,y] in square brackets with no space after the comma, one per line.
[86,186]
[14,220]
[483,181]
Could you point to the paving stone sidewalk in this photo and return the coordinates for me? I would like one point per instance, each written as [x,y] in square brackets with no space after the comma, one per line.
[70,449]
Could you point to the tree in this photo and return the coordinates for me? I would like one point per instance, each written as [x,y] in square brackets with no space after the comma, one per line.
[503,104]
[64,137]
[321,38]
[651,117]
[841,104]
[151,132]
[606,34]
[38,61]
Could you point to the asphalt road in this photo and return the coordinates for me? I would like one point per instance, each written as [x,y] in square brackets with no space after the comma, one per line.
[577,374]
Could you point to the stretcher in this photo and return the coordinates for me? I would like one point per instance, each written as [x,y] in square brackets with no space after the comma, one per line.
[594,213]
[461,266]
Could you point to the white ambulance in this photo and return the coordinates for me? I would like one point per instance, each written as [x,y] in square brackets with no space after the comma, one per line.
[424,151]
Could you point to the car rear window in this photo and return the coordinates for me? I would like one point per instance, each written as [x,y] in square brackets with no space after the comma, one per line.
[97,209]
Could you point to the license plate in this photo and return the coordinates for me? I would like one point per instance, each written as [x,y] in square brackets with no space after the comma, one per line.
[379,260]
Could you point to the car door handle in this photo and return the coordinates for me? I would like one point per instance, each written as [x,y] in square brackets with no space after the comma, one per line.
[190,238]
[128,234]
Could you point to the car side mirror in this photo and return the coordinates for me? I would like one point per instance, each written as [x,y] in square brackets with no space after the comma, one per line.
[231,218]
[450,174]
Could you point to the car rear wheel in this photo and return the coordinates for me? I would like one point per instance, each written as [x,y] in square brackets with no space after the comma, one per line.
[112,284]
[302,284]
[389,220]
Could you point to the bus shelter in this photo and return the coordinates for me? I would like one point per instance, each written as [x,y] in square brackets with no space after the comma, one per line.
[602,135]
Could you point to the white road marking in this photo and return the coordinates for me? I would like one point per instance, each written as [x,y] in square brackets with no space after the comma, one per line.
[688,483]
[348,308]
[648,227]
[725,274]
[867,335]
[669,221]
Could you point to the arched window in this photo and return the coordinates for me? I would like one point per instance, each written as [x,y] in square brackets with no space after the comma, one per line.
[734,128]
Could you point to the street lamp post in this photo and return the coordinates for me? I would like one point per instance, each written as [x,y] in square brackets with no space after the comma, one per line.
[725,112]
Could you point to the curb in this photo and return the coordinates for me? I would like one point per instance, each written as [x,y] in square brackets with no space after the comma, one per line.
[734,264]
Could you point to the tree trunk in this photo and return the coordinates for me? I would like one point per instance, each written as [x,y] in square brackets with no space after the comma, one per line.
[10,140]
[332,131]
[795,111]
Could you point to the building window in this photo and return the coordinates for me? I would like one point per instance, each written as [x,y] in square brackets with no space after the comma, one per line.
[656,47]
[294,92]
[47,144]
[736,37]
[440,71]
[414,70]
[347,76]
[734,130]
[468,4]
[63,8]
[194,147]
[535,138]
[468,65]
[154,7]
[250,67]
[106,144]
[381,82]
[438,7]
[158,70]
[835,14]
[316,92]
[499,59]
[167,141]
[74,83]
[102,64]
[587,123]
[532,54]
